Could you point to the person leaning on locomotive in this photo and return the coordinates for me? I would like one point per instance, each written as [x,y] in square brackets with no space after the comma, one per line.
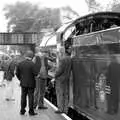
[61,77]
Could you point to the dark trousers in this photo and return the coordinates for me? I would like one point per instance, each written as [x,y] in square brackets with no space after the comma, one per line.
[24,92]
[62,93]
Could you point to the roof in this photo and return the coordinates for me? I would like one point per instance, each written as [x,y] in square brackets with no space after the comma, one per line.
[99,14]
[90,16]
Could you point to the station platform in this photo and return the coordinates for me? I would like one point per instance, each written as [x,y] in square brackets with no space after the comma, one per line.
[9,110]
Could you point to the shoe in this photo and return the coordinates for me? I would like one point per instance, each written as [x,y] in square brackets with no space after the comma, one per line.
[12,99]
[32,113]
[22,113]
[43,107]
[34,108]
[58,112]
[7,99]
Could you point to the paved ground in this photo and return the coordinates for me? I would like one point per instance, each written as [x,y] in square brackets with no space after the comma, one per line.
[9,110]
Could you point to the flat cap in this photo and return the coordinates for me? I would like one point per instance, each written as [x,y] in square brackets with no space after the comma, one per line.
[29,54]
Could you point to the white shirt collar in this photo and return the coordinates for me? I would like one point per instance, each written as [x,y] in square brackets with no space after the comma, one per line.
[28,58]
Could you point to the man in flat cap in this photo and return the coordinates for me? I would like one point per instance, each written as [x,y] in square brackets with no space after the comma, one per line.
[26,74]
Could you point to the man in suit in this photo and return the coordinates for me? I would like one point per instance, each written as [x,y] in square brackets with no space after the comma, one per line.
[62,81]
[26,73]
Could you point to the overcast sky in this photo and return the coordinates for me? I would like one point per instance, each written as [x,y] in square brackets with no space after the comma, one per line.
[78,5]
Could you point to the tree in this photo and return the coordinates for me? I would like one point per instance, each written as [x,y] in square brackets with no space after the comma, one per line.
[25,17]
[69,12]
[49,18]
[96,6]
[116,6]
[19,14]
[93,5]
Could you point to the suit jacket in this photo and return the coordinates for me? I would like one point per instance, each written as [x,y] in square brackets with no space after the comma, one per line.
[63,71]
[26,73]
